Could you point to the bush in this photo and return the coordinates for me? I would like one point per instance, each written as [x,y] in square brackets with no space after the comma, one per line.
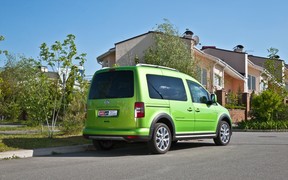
[266,106]
[260,125]
[231,106]
[73,124]
[234,101]
[75,115]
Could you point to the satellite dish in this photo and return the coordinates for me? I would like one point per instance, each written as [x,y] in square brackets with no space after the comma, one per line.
[196,40]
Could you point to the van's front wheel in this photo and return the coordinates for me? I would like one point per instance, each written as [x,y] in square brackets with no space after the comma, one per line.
[224,134]
[103,144]
[161,139]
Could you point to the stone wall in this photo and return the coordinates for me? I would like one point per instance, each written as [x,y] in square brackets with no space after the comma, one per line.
[237,115]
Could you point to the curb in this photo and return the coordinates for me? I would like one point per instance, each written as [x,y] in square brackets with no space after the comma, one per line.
[44,151]
[259,130]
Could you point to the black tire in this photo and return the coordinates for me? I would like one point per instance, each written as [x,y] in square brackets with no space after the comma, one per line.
[174,143]
[223,134]
[103,144]
[161,139]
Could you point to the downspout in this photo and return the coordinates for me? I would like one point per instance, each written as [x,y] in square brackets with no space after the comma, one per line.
[213,77]
[223,76]
[246,74]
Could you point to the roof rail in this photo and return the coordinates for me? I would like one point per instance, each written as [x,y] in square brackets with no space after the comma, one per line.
[156,66]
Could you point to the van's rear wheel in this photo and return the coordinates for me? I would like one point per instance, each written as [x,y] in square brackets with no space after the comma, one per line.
[161,139]
[103,144]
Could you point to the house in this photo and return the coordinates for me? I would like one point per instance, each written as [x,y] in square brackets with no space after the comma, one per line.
[212,69]
[250,66]
[63,74]
[220,71]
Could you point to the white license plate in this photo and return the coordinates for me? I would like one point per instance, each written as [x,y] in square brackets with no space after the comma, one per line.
[107,113]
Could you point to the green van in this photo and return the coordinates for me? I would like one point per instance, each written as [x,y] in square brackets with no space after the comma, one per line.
[152,104]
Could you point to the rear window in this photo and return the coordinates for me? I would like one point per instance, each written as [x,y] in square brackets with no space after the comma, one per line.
[112,84]
[164,87]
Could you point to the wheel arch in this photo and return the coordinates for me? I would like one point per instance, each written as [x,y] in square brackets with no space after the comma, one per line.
[165,119]
[226,118]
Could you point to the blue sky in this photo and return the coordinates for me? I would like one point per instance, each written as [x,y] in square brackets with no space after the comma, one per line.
[98,24]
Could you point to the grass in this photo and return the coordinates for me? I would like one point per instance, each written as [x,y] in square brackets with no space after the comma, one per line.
[22,128]
[38,140]
[32,141]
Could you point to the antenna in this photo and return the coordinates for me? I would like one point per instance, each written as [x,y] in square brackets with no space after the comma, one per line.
[196,39]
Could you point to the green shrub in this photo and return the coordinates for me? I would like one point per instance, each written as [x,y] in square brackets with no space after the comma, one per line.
[234,101]
[260,125]
[75,115]
[231,106]
[266,106]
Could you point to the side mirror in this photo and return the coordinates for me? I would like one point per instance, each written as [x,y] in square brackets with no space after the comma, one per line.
[213,99]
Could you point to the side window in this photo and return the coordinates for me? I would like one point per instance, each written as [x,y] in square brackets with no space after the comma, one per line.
[165,87]
[198,93]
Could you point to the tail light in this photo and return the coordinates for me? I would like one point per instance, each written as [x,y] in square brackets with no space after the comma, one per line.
[139,109]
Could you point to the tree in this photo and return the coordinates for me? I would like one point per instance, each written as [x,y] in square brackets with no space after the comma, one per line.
[2,38]
[21,90]
[9,107]
[35,96]
[62,57]
[274,67]
[170,50]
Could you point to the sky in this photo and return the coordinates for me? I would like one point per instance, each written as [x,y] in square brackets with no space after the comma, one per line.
[98,24]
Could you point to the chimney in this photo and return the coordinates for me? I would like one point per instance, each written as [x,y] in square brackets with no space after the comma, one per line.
[238,48]
[188,34]
[208,47]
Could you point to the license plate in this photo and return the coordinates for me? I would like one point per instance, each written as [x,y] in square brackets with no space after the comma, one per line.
[107,113]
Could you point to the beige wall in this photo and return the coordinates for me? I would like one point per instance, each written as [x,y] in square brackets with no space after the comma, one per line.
[109,61]
[233,85]
[206,63]
[257,74]
[127,51]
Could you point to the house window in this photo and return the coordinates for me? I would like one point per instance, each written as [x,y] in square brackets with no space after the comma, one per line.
[217,80]
[263,86]
[203,77]
[251,82]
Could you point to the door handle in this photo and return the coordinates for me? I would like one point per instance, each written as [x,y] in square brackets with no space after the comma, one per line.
[197,110]
[189,109]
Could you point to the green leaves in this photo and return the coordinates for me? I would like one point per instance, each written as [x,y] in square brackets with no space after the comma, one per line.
[63,58]
[266,105]
[27,93]
[5,52]
[170,50]
[274,71]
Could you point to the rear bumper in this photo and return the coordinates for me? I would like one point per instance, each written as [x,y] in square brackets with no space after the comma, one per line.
[132,138]
[134,135]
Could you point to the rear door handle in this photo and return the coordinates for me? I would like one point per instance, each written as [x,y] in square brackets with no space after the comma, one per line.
[197,110]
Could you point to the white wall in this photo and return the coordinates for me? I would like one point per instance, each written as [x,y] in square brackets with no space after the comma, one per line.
[126,51]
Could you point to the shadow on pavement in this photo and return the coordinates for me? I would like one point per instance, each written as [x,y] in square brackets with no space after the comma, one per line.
[33,143]
[134,149]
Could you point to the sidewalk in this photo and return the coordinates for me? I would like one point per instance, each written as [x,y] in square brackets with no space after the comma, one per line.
[44,151]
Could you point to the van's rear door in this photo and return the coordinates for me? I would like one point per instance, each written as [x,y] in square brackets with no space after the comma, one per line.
[111,100]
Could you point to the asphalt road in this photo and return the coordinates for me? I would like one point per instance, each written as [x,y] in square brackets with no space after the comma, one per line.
[249,155]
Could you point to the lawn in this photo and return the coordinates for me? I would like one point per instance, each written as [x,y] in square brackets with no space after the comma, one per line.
[36,140]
